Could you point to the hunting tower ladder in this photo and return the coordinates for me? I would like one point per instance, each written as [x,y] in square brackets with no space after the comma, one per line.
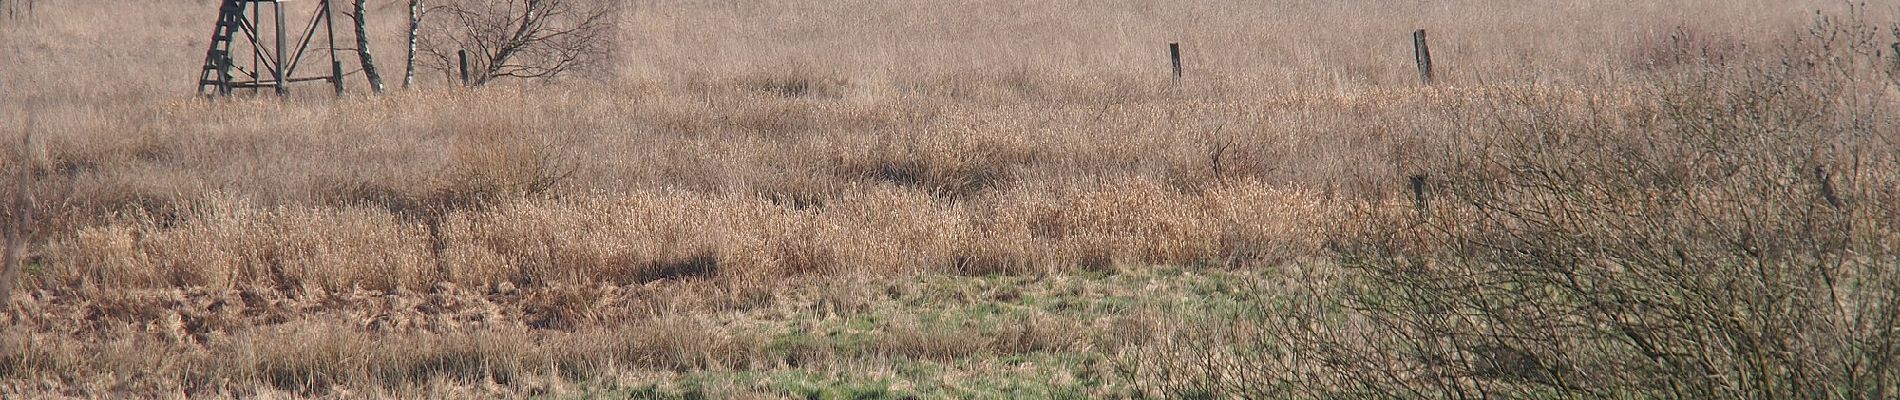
[240,33]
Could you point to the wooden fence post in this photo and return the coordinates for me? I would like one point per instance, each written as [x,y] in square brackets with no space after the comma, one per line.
[461,57]
[1418,191]
[1896,53]
[1174,57]
[1423,55]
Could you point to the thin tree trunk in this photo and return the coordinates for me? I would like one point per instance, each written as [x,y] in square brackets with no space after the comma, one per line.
[362,48]
[415,24]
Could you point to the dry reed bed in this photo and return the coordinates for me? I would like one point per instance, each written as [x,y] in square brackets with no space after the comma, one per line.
[449,243]
[625,190]
[454,342]
[512,241]
[642,236]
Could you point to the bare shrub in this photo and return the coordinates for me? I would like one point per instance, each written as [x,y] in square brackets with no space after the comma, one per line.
[1726,236]
[1686,47]
[519,38]
[1682,255]
[797,81]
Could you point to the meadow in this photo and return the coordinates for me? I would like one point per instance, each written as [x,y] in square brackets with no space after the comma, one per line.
[930,199]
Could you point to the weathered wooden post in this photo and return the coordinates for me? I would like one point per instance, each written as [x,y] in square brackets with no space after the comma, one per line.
[336,75]
[1174,57]
[1423,55]
[461,57]
[1418,192]
[1896,52]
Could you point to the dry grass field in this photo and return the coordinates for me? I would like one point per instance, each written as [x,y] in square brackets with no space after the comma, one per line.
[997,199]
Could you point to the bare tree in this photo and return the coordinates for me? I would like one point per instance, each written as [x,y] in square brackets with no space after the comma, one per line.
[520,38]
[362,47]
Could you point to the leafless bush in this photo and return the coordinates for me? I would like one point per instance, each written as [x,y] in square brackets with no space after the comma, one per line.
[1727,235]
[1685,46]
[519,38]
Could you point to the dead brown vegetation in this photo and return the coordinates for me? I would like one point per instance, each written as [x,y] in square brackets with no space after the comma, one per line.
[743,163]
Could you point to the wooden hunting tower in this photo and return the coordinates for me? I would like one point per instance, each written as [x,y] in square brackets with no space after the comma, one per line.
[245,32]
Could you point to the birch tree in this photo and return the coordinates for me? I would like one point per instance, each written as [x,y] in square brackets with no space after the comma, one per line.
[362,46]
[409,63]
